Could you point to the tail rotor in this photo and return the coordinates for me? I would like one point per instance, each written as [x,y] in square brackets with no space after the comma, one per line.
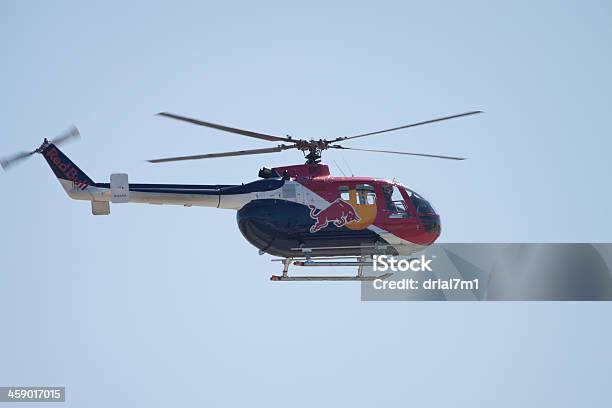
[69,134]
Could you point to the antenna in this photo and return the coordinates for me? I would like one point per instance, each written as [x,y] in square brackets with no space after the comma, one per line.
[339,168]
[349,167]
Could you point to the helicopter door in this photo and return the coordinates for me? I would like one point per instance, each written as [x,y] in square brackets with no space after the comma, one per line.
[363,199]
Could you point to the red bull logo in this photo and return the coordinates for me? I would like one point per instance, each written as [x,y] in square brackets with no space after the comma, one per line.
[67,169]
[339,213]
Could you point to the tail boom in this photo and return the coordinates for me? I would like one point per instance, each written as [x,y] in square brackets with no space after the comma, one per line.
[79,186]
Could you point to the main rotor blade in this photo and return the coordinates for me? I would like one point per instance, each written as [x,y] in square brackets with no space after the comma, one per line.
[411,154]
[9,161]
[71,133]
[224,154]
[408,126]
[256,135]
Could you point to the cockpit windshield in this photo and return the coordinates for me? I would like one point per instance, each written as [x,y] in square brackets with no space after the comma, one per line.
[422,205]
[397,197]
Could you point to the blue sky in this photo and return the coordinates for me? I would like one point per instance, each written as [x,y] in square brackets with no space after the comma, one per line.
[166,305]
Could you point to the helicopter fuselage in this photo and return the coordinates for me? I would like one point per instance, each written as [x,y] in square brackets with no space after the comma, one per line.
[336,215]
[289,209]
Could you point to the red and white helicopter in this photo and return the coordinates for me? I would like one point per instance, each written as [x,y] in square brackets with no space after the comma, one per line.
[299,213]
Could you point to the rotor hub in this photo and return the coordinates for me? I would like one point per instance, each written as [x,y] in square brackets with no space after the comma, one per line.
[314,149]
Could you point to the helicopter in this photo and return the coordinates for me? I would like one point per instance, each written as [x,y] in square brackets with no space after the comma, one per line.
[300,214]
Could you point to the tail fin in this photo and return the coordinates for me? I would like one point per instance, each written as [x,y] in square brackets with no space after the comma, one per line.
[64,169]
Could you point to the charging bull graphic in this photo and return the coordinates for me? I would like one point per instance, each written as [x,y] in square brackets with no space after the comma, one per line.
[339,212]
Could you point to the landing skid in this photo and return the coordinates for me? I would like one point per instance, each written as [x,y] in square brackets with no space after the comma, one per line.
[329,278]
[326,261]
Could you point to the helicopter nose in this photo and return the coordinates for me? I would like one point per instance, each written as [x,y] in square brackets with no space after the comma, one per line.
[432,225]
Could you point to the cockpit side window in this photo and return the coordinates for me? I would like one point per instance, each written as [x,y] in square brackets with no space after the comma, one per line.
[394,201]
[344,193]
